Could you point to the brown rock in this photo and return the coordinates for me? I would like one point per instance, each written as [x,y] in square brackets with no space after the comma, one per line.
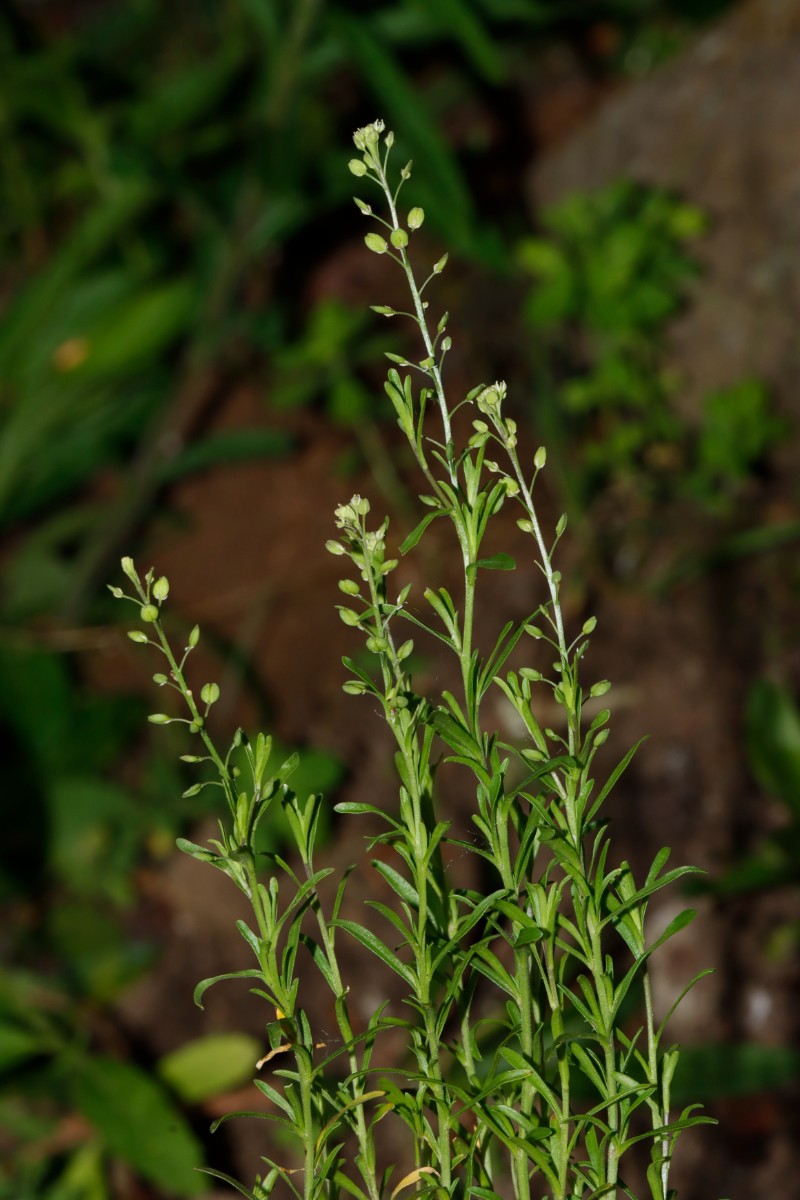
[721,126]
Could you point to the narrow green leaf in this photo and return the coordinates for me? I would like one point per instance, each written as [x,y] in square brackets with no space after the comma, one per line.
[411,540]
[497,562]
[456,735]
[378,948]
[275,1096]
[610,783]
[680,922]
[489,965]
[405,890]
[231,1182]
[394,918]
[205,984]
[320,961]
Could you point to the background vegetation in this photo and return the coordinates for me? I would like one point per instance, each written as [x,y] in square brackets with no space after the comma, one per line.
[171,233]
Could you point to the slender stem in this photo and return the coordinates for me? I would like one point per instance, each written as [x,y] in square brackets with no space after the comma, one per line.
[600,980]
[547,567]
[365,1143]
[304,1073]
[652,1062]
[433,370]
[197,719]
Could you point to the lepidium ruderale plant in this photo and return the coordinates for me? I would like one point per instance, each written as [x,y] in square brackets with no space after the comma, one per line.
[527,1073]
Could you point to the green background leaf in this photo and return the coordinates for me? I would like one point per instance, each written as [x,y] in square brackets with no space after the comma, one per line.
[139,1123]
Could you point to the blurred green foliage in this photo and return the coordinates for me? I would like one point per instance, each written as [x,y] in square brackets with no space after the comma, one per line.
[772,744]
[168,176]
[610,269]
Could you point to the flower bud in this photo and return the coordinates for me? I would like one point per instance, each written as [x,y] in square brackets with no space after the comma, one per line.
[490,399]
[367,137]
[600,688]
[161,589]
[129,569]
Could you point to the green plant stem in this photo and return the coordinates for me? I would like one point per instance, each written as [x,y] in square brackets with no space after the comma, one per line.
[522,1189]
[433,371]
[547,567]
[307,1132]
[553,910]
[662,1118]
[600,981]
[365,1144]
[197,719]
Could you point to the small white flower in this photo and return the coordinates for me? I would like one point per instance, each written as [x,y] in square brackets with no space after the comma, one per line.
[367,137]
[489,401]
[348,514]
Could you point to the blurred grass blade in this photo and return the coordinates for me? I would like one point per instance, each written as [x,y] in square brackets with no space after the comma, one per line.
[457,18]
[446,198]
[709,1072]
[234,445]
[773,741]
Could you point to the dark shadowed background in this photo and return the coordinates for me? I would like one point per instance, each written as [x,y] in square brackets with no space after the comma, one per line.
[189,373]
